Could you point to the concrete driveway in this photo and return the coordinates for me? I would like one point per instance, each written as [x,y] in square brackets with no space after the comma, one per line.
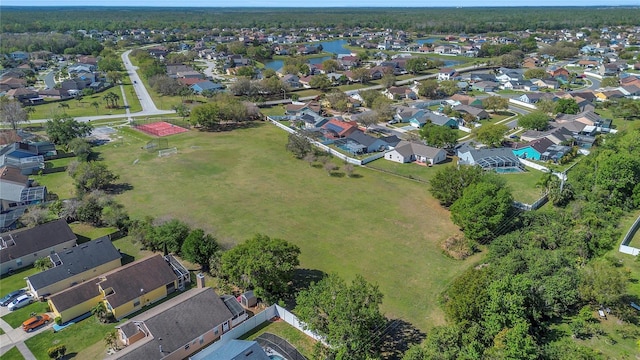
[16,337]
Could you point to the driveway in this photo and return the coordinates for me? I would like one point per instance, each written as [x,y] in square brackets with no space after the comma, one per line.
[16,337]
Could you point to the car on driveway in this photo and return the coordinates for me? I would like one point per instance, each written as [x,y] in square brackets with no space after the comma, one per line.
[20,302]
[7,299]
[35,322]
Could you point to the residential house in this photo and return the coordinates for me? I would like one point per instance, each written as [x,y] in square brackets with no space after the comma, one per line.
[441,120]
[404,114]
[179,327]
[159,52]
[292,81]
[12,183]
[446,74]
[532,98]
[608,69]
[533,149]
[75,265]
[467,100]
[19,56]
[485,86]
[558,72]
[510,75]
[348,61]
[21,248]
[124,290]
[190,74]
[477,77]
[336,129]
[22,94]
[311,119]
[367,143]
[605,95]
[632,91]
[490,159]
[206,85]
[557,135]
[10,82]
[478,113]
[296,107]
[406,152]
[400,93]
[234,350]
[28,158]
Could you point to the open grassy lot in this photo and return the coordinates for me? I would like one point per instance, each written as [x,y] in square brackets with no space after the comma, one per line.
[239,183]
[303,343]
[84,107]
[523,185]
[12,354]
[411,170]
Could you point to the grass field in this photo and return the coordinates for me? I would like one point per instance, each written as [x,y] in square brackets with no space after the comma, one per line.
[83,106]
[239,183]
[12,354]
[523,185]
[303,343]
[17,317]
[9,283]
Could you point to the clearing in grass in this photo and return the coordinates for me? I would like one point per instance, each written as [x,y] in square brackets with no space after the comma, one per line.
[243,182]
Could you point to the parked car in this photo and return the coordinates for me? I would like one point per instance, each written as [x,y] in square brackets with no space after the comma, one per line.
[35,322]
[20,302]
[11,296]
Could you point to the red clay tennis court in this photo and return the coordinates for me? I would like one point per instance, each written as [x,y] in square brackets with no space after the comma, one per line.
[161,128]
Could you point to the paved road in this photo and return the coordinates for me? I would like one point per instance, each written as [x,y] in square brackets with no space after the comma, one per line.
[595,83]
[148,106]
[49,79]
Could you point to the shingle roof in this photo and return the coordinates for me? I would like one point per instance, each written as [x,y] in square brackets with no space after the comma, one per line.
[75,295]
[35,239]
[146,274]
[76,260]
[12,174]
[177,322]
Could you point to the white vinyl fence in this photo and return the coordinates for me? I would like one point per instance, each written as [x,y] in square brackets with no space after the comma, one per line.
[624,246]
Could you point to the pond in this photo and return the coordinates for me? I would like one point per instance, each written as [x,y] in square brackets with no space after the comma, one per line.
[426,41]
[335,47]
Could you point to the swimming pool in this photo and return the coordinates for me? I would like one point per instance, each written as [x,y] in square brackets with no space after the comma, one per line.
[276,357]
[507,170]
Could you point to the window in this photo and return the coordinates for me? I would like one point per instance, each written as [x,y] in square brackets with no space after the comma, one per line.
[19,262]
[215,330]
[136,302]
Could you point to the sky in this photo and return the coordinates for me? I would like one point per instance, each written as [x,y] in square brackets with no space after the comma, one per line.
[324,3]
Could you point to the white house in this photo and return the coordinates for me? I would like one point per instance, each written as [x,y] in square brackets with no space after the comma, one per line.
[408,152]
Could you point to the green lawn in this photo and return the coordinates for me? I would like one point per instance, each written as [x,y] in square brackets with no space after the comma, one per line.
[9,283]
[57,182]
[411,170]
[2,332]
[86,232]
[76,337]
[17,317]
[242,182]
[12,354]
[83,106]
[273,111]
[303,343]
[523,185]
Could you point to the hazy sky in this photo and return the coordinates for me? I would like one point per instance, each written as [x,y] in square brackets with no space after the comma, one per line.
[324,3]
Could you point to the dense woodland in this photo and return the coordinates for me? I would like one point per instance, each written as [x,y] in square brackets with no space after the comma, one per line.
[424,20]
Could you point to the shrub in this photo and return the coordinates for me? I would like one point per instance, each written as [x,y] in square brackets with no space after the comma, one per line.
[458,247]
[58,320]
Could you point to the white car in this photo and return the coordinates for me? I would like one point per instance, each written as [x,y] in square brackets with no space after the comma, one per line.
[20,302]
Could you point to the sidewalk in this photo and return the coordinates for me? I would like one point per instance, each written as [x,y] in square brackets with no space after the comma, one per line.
[16,337]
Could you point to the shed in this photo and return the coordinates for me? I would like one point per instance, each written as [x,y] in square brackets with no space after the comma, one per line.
[248,299]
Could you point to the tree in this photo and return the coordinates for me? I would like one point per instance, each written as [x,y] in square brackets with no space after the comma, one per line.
[330,167]
[536,120]
[368,119]
[388,80]
[449,182]
[299,145]
[496,103]
[438,136]
[535,73]
[348,169]
[261,263]
[111,340]
[603,283]
[321,82]
[57,352]
[481,210]
[383,109]
[114,77]
[81,148]
[510,61]
[567,106]
[330,66]
[627,109]
[96,105]
[361,75]
[42,264]
[89,176]
[12,112]
[415,65]
[199,248]
[169,235]
[207,115]
[348,315]
[610,81]
[449,87]
[35,215]
[546,106]
[490,134]
[115,215]
[429,89]
[62,129]
[369,96]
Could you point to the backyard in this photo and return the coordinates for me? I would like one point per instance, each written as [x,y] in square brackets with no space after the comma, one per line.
[243,182]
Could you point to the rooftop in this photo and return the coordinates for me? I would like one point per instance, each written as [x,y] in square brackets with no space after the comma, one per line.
[35,239]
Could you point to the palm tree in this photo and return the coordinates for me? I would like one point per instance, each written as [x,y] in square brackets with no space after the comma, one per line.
[107,98]
[96,105]
[115,98]
[29,110]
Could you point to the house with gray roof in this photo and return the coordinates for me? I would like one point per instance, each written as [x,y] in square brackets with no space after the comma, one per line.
[24,156]
[478,113]
[367,142]
[22,248]
[415,152]
[557,135]
[490,159]
[441,120]
[237,350]
[75,265]
[177,328]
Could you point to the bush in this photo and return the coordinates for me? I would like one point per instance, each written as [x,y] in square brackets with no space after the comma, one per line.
[58,320]
[57,352]
[458,247]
